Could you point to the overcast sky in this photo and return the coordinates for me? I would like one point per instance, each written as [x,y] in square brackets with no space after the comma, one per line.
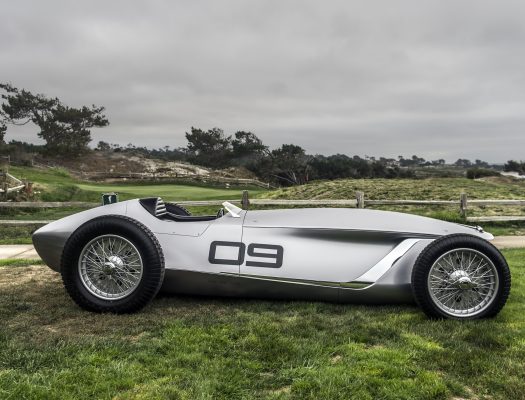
[441,79]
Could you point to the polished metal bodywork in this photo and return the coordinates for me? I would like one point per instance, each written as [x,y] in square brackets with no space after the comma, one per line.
[347,255]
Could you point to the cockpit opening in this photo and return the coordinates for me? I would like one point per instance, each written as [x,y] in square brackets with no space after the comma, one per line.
[174,212]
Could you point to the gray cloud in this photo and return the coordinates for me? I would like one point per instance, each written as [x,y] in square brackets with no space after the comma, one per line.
[434,78]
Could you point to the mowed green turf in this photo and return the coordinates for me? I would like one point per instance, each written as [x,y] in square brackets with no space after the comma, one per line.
[173,192]
[58,185]
[205,348]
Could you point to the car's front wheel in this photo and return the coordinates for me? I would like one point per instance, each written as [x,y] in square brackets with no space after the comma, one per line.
[112,264]
[461,277]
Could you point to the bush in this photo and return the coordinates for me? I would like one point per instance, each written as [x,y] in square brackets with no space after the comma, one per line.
[475,173]
[62,172]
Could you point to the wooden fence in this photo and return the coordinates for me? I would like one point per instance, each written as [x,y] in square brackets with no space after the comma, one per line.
[5,188]
[358,202]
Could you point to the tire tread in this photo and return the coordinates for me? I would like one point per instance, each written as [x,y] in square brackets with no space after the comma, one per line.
[439,246]
[154,262]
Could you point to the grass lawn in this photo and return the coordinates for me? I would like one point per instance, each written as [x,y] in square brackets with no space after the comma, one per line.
[57,185]
[421,189]
[174,192]
[205,348]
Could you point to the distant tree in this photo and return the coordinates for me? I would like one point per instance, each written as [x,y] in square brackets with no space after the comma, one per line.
[247,147]
[290,164]
[463,162]
[3,130]
[476,172]
[481,164]
[515,166]
[341,166]
[417,160]
[411,162]
[333,167]
[66,130]
[103,146]
[209,148]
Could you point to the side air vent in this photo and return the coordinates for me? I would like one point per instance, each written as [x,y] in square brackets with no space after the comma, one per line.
[160,208]
[154,205]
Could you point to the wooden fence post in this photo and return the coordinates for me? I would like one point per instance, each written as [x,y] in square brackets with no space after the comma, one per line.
[463,205]
[28,187]
[5,185]
[245,201]
[360,197]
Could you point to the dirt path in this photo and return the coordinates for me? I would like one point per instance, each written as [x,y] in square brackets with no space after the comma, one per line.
[26,251]
[509,242]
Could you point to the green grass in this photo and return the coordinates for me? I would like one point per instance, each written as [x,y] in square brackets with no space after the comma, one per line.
[419,189]
[57,185]
[168,191]
[20,262]
[16,234]
[205,348]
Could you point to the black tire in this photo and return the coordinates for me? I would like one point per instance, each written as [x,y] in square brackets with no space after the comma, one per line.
[146,244]
[177,209]
[441,246]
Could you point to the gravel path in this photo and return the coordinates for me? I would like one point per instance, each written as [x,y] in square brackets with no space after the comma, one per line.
[17,251]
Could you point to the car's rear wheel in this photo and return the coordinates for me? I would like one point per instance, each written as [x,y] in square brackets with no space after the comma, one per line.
[461,277]
[112,264]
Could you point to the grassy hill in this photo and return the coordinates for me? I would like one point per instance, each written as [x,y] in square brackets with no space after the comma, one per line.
[416,189]
[55,184]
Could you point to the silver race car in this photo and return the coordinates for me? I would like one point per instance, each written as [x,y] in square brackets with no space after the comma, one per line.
[115,258]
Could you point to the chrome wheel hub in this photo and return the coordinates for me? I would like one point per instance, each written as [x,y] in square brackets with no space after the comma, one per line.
[463,282]
[110,267]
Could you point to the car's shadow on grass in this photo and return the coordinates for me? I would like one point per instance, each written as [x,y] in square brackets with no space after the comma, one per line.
[34,297]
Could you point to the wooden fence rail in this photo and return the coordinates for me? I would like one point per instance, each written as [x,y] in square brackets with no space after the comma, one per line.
[47,204]
[359,201]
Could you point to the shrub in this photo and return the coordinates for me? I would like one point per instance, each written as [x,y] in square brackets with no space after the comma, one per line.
[475,173]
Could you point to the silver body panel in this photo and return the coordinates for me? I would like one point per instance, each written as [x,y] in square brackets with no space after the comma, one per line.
[347,255]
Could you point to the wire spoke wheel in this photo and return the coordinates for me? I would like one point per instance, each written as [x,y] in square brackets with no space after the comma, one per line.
[463,282]
[110,267]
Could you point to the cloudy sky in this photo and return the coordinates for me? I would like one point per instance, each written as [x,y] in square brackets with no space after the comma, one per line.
[441,79]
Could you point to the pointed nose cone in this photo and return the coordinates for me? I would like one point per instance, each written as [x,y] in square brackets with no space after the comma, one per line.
[49,244]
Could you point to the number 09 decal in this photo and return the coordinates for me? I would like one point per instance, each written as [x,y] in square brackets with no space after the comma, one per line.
[265,255]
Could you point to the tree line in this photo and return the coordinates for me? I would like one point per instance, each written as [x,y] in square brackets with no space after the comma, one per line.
[67,133]
[515,166]
[289,164]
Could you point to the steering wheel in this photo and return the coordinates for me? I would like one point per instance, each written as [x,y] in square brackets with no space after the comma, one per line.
[220,213]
